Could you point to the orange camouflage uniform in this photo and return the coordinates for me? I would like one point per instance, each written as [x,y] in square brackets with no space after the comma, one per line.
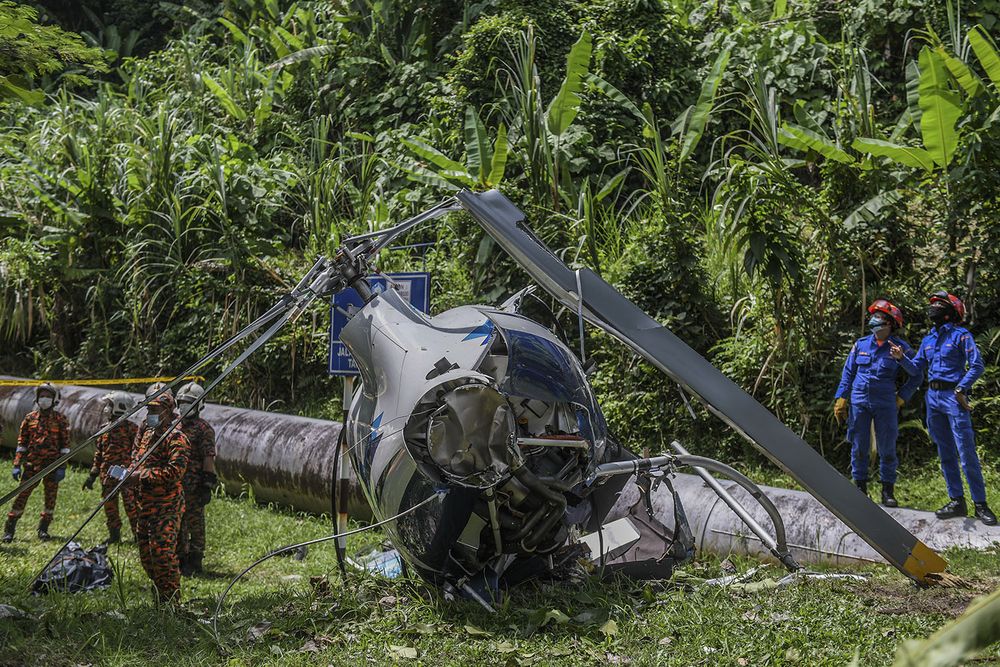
[161,504]
[202,438]
[115,448]
[43,437]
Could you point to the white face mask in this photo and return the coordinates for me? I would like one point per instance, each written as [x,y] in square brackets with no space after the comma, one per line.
[153,419]
[183,407]
[45,403]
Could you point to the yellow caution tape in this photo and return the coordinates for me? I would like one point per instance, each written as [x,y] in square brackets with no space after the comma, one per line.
[91,383]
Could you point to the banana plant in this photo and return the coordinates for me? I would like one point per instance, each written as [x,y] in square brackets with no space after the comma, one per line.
[485,161]
[547,132]
[946,88]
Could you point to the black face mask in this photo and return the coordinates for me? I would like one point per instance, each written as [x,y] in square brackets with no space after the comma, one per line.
[937,315]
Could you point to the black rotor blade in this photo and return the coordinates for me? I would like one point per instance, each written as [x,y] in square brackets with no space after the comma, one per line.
[606,308]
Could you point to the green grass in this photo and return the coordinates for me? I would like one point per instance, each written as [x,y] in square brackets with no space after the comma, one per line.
[370,620]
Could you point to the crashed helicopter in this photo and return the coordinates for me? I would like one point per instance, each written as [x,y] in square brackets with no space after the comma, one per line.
[497,410]
[491,414]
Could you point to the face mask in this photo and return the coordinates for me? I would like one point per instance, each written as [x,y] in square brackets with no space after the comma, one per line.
[937,315]
[152,420]
[45,403]
[182,408]
[876,324]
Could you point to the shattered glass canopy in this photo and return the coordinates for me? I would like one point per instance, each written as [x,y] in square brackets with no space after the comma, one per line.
[544,370]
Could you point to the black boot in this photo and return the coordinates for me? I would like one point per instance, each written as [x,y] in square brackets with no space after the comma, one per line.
[863,485]
[43,530]
[956,507]
[8,529]
[114,535]
[888,495]
[985,514]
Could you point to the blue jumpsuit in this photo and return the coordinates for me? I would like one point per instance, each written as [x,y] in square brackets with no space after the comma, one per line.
[869,381]
[950,355]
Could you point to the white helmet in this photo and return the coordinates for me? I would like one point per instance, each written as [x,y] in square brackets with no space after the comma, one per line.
[192,392]
[51,388]
[118,403]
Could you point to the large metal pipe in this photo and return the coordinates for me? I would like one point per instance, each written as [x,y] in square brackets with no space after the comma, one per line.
[284,459]
[814,534]
[288,460]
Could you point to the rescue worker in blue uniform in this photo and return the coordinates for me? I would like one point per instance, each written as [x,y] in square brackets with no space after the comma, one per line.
[953,364]
[867,393]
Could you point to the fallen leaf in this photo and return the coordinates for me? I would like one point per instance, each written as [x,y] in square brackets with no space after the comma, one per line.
[388,601]
[591,617]
[309,647]
[9,611]
[505,647]
[407,652]
[422,628]
[320,586]
[554,615]
[259,630]
[476,632]
[665,641]
[742,662]
[610,628]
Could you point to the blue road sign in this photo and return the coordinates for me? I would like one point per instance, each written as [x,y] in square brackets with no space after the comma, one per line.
[413,287]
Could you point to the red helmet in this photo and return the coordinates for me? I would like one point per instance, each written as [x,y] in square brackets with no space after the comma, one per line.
[950,300]
[885,306]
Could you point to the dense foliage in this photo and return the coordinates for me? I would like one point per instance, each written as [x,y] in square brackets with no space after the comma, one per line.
[751,173]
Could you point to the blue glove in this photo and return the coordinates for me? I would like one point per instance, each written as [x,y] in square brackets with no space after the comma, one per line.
[59,474]
[16,473]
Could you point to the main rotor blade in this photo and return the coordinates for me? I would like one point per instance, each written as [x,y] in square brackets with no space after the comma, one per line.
[606,308]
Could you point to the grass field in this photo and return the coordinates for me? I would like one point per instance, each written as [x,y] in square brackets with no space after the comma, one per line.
[292,612]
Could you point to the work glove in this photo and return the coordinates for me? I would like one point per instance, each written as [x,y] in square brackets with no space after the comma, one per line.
[16,473]
[209,481]
[59,474]
[900,403]
[840,410]
[89,484]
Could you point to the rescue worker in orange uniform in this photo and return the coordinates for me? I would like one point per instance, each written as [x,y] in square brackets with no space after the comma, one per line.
[157,485]
[114,448]
[200,479]
[42,438]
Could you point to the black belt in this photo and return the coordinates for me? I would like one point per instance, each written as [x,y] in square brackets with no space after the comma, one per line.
[941,384]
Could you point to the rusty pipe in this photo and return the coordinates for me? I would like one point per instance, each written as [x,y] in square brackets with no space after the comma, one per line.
[284,459]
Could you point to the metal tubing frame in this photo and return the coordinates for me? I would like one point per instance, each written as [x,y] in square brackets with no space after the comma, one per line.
[777,545]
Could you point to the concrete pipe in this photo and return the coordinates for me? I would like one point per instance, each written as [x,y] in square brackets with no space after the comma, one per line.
[814,534]
[289,460]
[284,459]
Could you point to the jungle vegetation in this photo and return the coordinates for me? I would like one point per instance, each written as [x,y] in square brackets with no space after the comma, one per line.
[752,173]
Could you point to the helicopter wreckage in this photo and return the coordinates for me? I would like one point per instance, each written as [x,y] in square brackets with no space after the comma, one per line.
[482,450]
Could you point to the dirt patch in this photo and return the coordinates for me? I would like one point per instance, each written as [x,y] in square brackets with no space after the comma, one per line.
[900,600]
